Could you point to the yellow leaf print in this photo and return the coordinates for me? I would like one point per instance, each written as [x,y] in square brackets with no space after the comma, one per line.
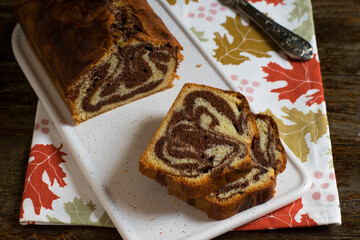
[246,39]
[173,2]
[293,135]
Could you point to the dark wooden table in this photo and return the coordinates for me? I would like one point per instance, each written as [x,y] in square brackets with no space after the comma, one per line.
[337,26]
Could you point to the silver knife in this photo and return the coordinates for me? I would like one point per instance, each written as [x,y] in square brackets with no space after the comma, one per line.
[292,44]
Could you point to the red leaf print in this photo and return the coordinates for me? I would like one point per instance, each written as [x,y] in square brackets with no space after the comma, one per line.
[275,2]
[47,158]
[282,218]
[303,76]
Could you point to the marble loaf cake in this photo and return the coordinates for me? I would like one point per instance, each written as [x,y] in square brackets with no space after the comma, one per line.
[268,160]
[203,143]
[100,54]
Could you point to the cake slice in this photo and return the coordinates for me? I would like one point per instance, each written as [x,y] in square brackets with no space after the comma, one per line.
[100,54]
[203,143]
[268,160]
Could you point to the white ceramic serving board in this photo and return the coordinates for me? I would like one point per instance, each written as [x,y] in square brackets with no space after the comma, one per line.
[107,149]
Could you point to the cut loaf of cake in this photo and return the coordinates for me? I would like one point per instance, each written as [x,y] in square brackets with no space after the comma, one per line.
[268,160]
[100,54]
[203,143]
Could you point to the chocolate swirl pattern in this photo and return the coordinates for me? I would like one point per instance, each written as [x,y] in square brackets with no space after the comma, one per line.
[258,186]
[129,72]
[195,141]
[203,143]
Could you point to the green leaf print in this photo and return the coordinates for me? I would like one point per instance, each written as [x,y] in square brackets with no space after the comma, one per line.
[199,35]
[53,220]
[80,214]
[302,8]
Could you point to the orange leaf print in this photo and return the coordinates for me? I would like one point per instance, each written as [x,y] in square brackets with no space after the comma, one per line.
[303,76]
[47,158]
[282,218]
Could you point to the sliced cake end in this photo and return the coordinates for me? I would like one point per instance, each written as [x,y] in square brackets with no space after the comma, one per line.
[203,143]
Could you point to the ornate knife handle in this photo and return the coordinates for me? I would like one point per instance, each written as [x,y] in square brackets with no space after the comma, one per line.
[292,44]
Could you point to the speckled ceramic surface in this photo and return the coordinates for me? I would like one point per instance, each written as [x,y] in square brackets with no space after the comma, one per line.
[107,149]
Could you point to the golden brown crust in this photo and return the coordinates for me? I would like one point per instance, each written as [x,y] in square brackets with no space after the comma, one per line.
[72,36]
[153,27]
[186,187]
[222,210]
[69,36]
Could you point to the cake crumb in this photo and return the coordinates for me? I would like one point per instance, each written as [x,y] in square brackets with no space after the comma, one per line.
[198,65]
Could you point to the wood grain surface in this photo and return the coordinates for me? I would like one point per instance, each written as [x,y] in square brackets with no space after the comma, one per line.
[337,25]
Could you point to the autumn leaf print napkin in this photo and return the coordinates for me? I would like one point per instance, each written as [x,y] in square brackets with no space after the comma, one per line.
[56,192]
